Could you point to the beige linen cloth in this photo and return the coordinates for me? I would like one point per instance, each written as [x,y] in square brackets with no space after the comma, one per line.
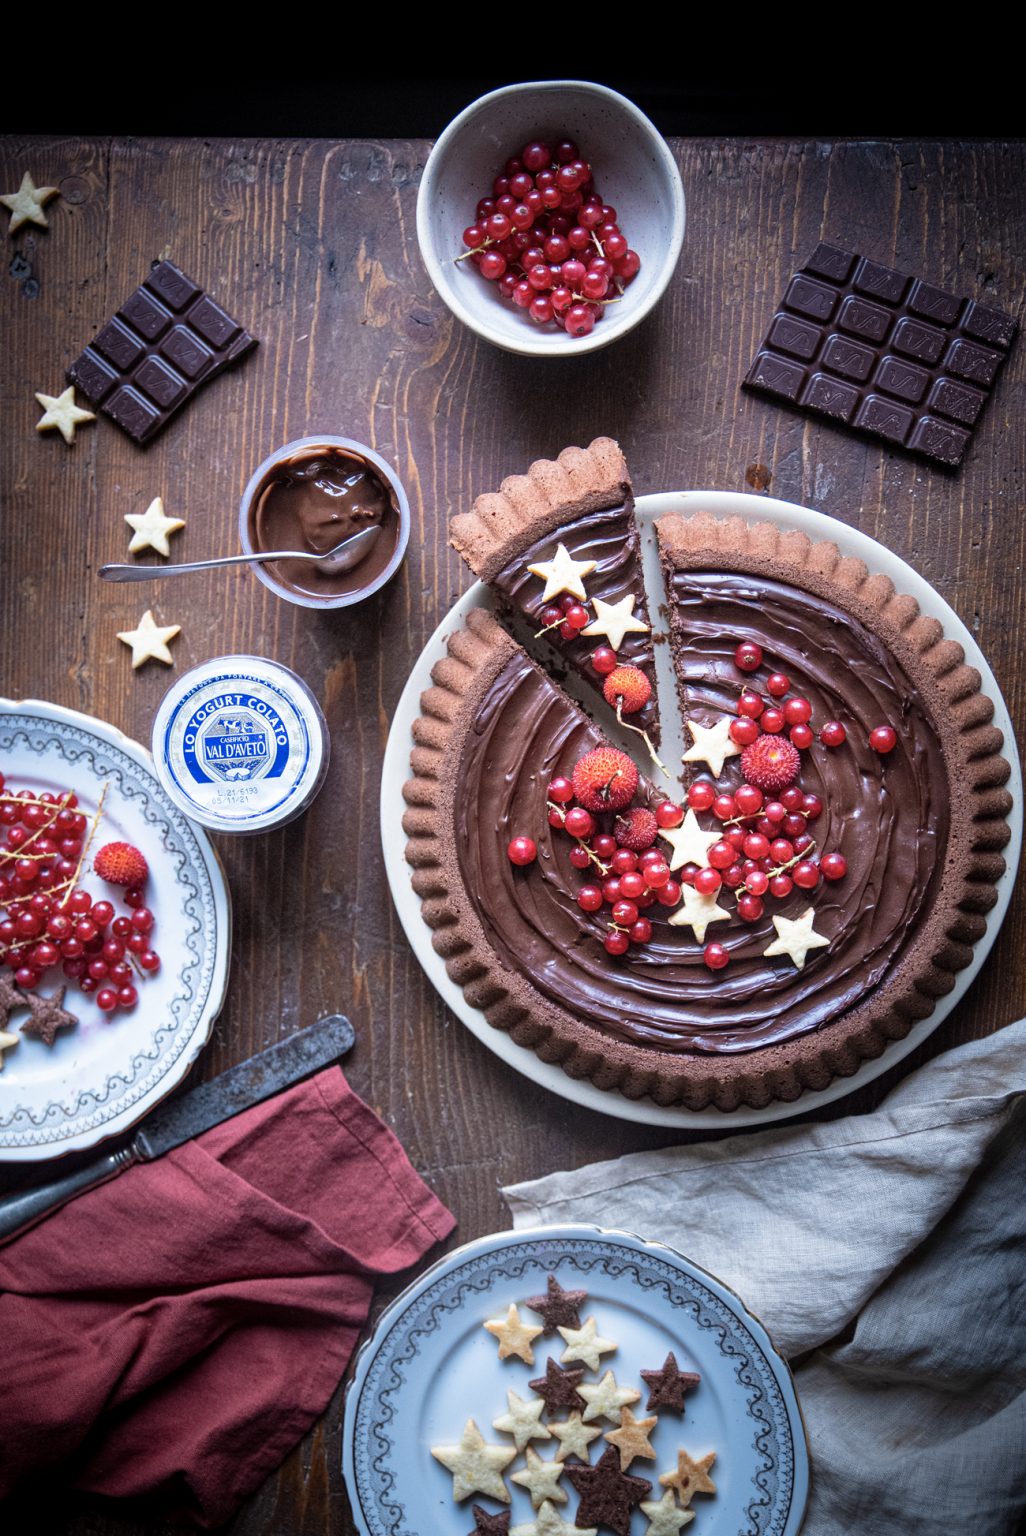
[885,1253]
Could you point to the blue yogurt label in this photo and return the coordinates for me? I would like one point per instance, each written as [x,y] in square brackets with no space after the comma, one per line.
[240,749]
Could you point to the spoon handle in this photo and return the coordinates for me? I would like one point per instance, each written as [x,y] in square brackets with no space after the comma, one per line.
[155,572]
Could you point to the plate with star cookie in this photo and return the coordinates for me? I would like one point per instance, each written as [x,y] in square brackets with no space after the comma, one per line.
[570,1379]
[787,907]
[115,933]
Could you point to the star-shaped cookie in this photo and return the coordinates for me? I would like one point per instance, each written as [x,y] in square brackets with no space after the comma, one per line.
[586,1344]
[523,1421]
[668,1385]
[614,620]
[574,1436]
[541,1479]
[604,1399]
[558,1308]
[711,744]
[665,1517]
[549,1522]
[475,1466]
[26,204]
[697,912]
[558,1387]
[795,937]
[151,528]
[60,411]
[607,1494]
[515,1337]
[10,997]
[563,574]
[149,640]
[7,1042]
[691,1477]
[631,1439]
[47,1016]
[491,1525]
[689,841]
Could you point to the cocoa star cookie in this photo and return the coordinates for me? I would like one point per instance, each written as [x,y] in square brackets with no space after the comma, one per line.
[558,1308]
[607,1494]
[668,1385]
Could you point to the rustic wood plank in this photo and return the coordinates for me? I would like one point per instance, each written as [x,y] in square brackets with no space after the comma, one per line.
[313,246]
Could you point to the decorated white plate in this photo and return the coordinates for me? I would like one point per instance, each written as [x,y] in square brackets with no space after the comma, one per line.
[99,1078]
[396,771]
[430,1365]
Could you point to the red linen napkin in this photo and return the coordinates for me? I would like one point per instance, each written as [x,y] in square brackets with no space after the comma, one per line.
[177,1330]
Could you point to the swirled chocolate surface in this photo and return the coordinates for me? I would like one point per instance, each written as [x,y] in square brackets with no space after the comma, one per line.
[609,538]
[887,815]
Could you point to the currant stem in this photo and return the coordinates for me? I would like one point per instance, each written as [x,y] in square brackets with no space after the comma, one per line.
[482,247]
[653,754]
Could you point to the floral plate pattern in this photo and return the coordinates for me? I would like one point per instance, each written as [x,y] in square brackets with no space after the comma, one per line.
[430,1365]
[101,1077]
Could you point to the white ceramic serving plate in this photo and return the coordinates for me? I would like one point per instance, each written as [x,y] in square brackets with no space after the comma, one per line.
[101,1077]
[430,1365]
[396,771]
[634,171]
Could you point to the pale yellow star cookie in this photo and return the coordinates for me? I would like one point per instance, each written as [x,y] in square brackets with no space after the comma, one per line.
[150,529]
[605,1398]
[475,1466]
[795,937]
[515,1337]
[60,411]
[697,912]
[550,1523]
[615,620]
[523,1421]
[711,744]
[563,574]
[665,1517]
[541,1479]
[149,640]
[574,1437]
[585,1344]
[26,204]
[689,841]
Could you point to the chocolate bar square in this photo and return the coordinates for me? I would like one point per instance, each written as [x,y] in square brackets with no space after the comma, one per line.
[164,343]
[883,351]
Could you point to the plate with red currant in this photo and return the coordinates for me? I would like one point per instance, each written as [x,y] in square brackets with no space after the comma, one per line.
[114,933]
[757,891]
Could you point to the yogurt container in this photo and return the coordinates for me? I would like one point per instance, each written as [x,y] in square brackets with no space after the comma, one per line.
[240,744]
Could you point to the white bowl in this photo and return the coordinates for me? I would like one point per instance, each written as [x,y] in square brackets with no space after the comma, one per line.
[634,172]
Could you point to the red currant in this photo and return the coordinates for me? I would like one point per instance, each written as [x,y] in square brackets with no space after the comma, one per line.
[805,875]
[801,736]
[708,881]
[720,855]
[149,960]
[611,889]
[778,684]
[833,866]
[624,861]
[669,814]
[724,808]
[670,893]
[757,846]
[749,907]
[747,658]
[624,913]
[792,798]
[632,884]
[772,720]
[715,955]
[107,999]
[560,790]
[656,875]
[589,899]
[812,807]
[521,851]
[833,734]
[616,943]
[604,660]
[883,739]
[604,845]
[640,931]
[743,731]
[578,822]
[758,882]
[127,996]
[780,886]
[580,858]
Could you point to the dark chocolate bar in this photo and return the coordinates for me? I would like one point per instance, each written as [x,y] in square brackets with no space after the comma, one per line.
[163,344]
[883,351]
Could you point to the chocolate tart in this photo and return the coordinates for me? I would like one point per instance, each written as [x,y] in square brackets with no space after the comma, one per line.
[583,500]
[922,831]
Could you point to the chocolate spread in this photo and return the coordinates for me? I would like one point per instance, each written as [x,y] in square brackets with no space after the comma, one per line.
[314,499]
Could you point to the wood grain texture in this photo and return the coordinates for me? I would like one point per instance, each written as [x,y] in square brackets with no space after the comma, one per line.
[312,245]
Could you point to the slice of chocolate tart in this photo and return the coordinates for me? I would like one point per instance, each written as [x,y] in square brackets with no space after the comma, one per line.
[565,532]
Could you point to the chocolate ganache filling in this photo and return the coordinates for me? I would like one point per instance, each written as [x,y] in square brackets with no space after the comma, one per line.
[889,818]
[609,538]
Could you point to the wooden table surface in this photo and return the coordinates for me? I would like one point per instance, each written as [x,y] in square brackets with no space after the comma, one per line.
[313,246]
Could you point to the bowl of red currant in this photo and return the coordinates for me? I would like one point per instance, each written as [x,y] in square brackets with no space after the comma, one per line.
[551,216]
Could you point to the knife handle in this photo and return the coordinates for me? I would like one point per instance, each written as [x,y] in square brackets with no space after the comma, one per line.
[20,1211]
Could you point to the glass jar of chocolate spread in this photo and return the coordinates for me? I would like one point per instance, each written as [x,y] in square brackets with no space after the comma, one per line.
[309,496]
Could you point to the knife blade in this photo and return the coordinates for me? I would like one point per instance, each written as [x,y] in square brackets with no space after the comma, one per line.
[178,1120]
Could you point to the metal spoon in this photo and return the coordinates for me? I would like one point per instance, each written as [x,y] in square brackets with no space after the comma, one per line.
[333,563]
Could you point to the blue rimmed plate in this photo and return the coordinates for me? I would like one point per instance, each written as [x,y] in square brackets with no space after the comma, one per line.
[97,1080]
[430,1365]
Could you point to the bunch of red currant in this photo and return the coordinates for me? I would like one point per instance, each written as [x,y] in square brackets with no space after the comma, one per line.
[49,919]
[548,242]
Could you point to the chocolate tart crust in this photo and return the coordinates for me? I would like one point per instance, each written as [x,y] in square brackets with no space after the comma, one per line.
[926,970]
[527,507]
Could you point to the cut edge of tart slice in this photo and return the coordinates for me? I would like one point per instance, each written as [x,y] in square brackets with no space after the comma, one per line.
[572,516]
